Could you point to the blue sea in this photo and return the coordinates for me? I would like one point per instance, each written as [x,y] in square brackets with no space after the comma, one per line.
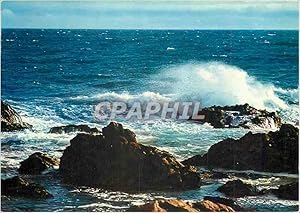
[56,77]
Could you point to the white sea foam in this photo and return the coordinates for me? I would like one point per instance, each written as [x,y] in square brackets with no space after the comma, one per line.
[220,84]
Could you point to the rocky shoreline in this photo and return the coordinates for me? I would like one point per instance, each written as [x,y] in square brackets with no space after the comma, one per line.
[113,159]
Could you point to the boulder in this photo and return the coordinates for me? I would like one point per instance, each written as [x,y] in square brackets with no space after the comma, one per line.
[74,128]
[115,160]
[236,188]
[268,152]
[37,163]
[239,116]
[11,120]
[18,187]
[288,191]
[177,205]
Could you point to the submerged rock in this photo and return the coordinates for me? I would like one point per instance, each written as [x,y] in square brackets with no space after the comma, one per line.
[37,163]
[177,205]
[18,187]
[74,128]
[10,119]
[115,160]
[237,188]
[239,116]
[271,152]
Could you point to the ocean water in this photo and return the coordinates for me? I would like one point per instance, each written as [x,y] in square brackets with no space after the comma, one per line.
[56,77]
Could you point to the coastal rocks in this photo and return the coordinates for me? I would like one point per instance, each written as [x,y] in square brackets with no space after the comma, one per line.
[271,152]
[236,188]
[239,116]
[210,206]
[18,187]
[74,128]
[37,163]
[226,201]
[115,160]
[177,205]
[172,205]
[10,119]
[288,191]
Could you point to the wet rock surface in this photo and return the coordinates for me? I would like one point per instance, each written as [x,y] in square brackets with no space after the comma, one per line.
[236,188]
[11,120]
[287,191]
[74,128]
[271,152]
[37,163]
[239,116]
[177,205]
[115,160]
[18,187]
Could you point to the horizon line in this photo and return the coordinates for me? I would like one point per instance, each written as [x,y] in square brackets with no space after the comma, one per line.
[41,28]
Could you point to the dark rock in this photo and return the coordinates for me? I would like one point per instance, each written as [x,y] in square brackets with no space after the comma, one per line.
[37,163]
[11,120]
[271,152]
[74,128]
[18,187]
[212,175]
[177,205]
[288,191]
[115,160]
[239,116]
[237,188]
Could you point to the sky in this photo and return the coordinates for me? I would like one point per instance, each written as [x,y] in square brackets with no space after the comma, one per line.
[201,14]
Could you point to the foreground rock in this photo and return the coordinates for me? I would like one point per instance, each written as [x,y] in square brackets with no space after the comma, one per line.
[237,188]
[18,187]
[115,160]
[74,128]
[37,163]
[239,116]
[272,152]
[288,191]
[227,202]
[11,120]
[176,205]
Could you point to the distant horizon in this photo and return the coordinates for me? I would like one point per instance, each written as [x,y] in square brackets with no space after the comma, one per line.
[13,28]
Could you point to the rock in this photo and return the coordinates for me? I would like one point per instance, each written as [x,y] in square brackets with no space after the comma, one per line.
[209,206]
[18,187]
[212,175]
[227,202]
[74,128]
[115,160]
[288,191]
[177,205]
[239,116]
[37,163]
[172,205]
[271,152]
[10,119]
[237,188]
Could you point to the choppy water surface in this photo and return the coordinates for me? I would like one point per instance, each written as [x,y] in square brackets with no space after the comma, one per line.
[55,77]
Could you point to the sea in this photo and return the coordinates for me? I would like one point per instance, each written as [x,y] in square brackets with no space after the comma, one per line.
[55,77]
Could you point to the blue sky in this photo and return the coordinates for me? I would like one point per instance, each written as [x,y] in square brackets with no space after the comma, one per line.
[151,15]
